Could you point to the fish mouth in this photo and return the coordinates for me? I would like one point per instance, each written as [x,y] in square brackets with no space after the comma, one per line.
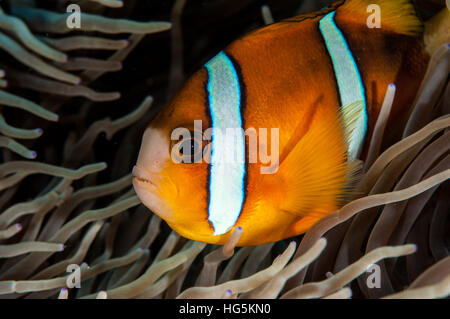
[142,180]
[142,176]
[148,192]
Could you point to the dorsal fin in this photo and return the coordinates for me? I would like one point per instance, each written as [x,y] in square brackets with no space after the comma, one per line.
[397,16]
[312,15]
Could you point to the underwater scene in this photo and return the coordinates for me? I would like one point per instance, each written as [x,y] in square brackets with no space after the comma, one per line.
[224,149]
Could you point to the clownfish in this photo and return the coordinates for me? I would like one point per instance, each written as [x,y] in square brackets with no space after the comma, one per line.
[316,82]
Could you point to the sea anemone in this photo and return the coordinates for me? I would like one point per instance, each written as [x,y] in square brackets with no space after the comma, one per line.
[71,207]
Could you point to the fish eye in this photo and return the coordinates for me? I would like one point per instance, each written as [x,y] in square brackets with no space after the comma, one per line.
[189,150]
[189,147]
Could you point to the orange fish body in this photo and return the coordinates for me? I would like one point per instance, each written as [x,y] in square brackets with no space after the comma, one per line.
[320,79]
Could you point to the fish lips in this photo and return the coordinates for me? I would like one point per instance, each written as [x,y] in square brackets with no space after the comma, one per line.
[147,190]
[141,176]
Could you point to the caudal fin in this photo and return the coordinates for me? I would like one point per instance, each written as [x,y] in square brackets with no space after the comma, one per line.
[437,31]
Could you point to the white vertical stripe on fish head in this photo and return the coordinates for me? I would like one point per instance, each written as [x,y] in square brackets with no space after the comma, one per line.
[226,184]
